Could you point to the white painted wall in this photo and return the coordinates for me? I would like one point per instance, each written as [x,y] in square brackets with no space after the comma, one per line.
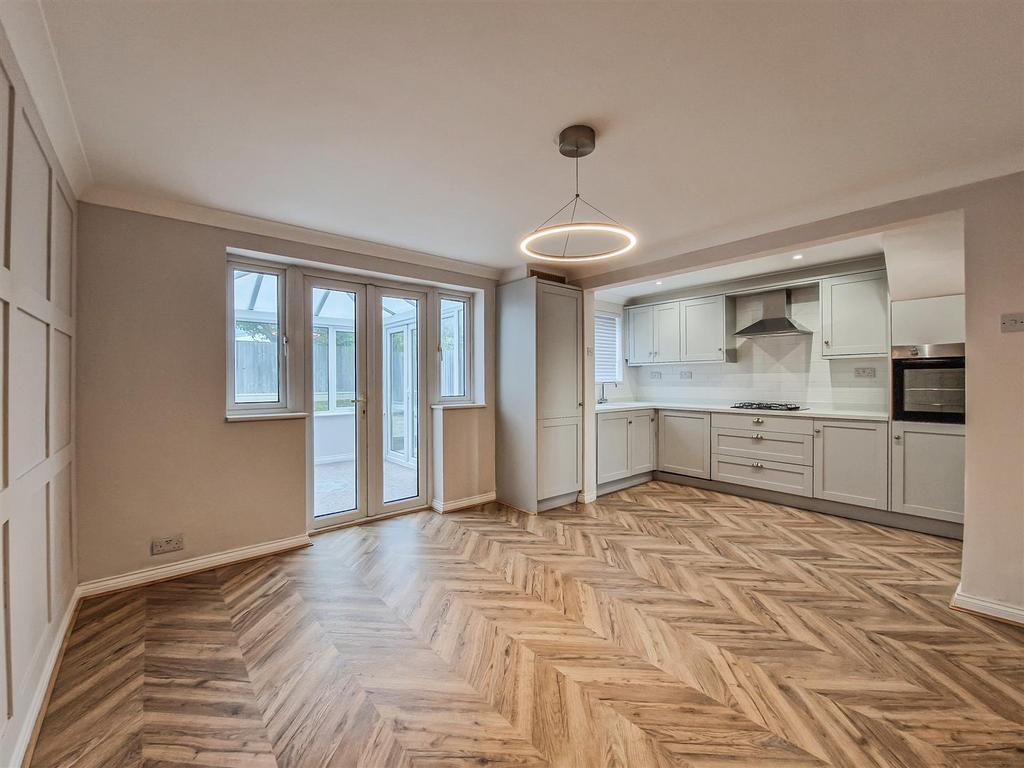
[38,562]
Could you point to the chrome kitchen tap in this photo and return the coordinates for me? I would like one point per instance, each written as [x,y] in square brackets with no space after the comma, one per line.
[602,398]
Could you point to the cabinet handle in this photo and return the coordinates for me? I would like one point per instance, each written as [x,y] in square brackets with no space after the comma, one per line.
[758,436]
[817,430]
[629,421]
[757,465]
[827,342]
[759,420]
[897,437]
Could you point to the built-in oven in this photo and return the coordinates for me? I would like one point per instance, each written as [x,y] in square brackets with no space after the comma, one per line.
[928,383]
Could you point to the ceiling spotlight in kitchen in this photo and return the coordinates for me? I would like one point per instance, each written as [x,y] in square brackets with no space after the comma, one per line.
[578,240]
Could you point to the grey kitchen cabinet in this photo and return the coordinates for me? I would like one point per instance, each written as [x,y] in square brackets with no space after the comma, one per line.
[666,333]
[769,475]
[851,462]
[559,448]
[612,446]
[686,330]
[539,420]
[703,329]
[928,470]
[642,450]
[684,443]
[625,444]
[855,315]
[640,335]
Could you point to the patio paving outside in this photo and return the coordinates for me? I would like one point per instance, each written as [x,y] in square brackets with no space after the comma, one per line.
[334,487]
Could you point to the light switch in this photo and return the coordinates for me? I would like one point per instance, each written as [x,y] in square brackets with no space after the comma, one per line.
[1012,322]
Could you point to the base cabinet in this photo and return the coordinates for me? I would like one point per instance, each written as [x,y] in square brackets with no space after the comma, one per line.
[612,446]
[625,444]
[684,443]
[851,460]
[928,470]
[559,446]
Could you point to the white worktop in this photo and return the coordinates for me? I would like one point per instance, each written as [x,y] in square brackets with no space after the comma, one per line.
[814,411]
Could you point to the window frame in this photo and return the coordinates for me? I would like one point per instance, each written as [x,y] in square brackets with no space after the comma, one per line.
[467,300]
[281,405]
[619,343]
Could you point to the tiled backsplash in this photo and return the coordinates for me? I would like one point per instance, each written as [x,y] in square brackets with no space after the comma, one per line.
[786,368]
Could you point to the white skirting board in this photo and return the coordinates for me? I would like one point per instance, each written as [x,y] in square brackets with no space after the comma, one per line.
[35,704]
[470,501]
[191,565]
[984,607]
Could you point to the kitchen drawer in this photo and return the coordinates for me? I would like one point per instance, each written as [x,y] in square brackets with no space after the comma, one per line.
[762,422]
[769,446]
[770,475]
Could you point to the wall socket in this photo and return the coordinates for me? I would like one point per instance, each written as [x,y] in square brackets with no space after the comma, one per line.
[1012,322]
[167,544]
[864,373]
[655,374]
[686,374]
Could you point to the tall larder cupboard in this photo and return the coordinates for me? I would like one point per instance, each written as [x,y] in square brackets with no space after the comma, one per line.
[540,394]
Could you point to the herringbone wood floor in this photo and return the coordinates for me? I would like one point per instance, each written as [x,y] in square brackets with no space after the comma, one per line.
[661,626]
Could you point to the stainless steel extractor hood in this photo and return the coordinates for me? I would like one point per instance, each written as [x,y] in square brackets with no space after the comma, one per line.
[775,320]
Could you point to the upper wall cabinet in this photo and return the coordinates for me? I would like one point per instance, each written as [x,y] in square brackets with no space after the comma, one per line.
[688,331]
[854,315]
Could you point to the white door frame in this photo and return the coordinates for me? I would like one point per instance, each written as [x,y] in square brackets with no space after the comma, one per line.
[360,406]
[375,400]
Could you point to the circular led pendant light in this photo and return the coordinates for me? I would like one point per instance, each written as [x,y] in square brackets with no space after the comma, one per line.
[601,239]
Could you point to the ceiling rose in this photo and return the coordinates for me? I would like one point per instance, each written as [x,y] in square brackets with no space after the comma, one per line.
[588,239]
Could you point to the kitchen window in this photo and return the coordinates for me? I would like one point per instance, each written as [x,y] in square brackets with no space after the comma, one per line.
[455,347]
[607,348]
[256,366]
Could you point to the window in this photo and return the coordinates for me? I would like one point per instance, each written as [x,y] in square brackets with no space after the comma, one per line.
[455,346]
[256,370]
[607,347]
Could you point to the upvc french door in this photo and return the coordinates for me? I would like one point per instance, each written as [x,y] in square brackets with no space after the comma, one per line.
[366,441]
[336,401]
[397,434]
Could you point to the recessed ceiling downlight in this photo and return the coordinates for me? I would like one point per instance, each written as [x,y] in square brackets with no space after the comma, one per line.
[798,256]
[578,241]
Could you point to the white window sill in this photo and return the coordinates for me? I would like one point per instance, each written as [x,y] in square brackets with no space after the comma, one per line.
[454,406]
[256,416]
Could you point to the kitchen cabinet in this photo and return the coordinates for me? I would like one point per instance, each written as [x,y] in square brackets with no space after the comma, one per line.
[539,394]
[666,333]
[684,443]
[612,446]
[851,463]
[703,329]
[642,450]
[625,444]
[769,475]
[855,315]
[688,330]
[928,470]
[640,335]
[756,444]
[559,448]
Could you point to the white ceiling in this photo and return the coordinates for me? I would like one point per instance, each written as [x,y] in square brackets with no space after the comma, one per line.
[843,250]
[431,126]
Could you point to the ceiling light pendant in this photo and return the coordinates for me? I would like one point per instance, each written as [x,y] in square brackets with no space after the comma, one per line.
[572,241]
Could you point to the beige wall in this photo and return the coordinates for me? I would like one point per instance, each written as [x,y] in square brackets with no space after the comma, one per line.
[993,567]
[37,348]
[158,457]
[463,455]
